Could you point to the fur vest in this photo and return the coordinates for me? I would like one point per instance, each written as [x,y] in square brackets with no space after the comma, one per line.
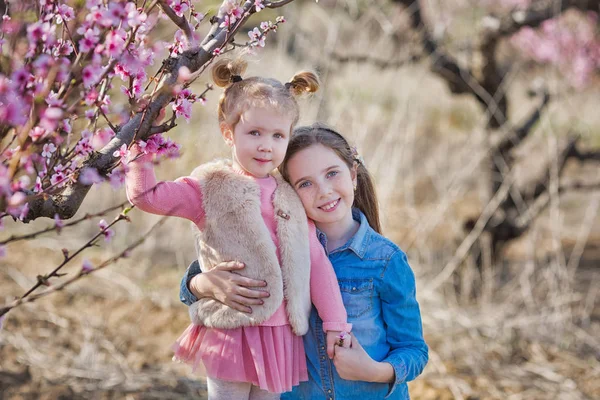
[235,230]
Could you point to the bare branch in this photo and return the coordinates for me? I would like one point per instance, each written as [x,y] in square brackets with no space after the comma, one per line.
[75,222]
[477,230]
[519,134]
[181,22]
[380,63]
[43,280]
[277,4]
[543,200]
[586,155]
[82,273]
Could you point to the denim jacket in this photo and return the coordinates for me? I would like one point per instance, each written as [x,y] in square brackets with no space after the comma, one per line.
[378,290]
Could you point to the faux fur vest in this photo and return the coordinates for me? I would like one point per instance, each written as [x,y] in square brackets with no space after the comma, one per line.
[234,230]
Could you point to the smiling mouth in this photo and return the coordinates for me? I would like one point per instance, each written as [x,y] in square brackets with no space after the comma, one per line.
[330,206]
[262,160]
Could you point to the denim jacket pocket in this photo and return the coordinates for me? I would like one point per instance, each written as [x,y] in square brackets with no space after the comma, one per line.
[357,295]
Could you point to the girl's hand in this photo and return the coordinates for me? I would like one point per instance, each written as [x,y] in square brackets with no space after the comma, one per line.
[333,339]
[231,289]
[354,364]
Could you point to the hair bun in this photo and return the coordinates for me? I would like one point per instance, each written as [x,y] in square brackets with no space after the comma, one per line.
[226,68]
[303,83]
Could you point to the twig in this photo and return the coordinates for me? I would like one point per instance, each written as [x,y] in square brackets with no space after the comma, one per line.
[43,280]
[468,241]
[82,273]
[14,238]
[181,22]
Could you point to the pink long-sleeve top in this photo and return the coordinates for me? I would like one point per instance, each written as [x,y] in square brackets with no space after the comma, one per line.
[183,198]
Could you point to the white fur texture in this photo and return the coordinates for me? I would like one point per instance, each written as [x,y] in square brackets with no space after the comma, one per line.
[234,230]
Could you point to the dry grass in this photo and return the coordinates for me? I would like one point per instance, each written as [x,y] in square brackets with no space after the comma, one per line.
[532,334]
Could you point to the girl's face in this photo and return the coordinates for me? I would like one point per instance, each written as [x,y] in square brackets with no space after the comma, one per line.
[259,140]
[324,183]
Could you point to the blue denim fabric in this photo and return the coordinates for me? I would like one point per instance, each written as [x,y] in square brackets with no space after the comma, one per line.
[378,290]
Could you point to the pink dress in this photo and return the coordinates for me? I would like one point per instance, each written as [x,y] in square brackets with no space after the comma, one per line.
[270,356]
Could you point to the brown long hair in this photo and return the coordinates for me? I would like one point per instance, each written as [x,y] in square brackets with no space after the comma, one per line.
[241,93]
[365,197]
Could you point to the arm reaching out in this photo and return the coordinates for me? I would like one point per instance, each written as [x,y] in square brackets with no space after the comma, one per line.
[180,198]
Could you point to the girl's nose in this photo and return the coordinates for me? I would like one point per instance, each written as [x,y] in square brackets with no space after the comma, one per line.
[264,147]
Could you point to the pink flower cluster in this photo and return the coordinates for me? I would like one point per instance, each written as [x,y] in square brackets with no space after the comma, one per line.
[160,146]
[573,48]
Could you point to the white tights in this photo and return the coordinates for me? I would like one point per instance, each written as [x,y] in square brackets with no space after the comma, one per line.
[224,390]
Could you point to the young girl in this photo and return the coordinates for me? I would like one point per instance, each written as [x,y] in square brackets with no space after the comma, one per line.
[378,286]
[241,211]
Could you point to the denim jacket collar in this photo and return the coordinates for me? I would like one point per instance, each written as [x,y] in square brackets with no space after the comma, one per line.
[358,242]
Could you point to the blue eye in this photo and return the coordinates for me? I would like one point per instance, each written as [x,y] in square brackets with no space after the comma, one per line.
[303,184]
[331,174]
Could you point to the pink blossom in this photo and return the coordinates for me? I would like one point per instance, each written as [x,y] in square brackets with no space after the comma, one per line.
[135,16]
[122,153]
[38,185]
[258,4]
[116,178]
[48,149]
[50,118]
[265,25]
[179,6]
[90,176]
[101,138]
[280,19]
[90,75]
[58,178]
[53,101]
[183,107]
[115,42]
[89,40]
[58,223]
[37,133]
[114,14]
[217,52]
[66,14]
[86,267]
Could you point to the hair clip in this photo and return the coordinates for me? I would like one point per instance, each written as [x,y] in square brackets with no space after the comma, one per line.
[357,157]
[235,78]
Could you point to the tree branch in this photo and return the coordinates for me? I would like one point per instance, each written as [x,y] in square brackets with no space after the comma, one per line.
[519,134]
[535,16]
[66,203]
[181,22]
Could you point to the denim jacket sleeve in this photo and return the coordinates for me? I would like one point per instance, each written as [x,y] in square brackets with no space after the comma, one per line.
[185,295]
[409,353]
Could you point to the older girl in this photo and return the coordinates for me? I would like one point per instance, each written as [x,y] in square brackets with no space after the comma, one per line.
[377,284]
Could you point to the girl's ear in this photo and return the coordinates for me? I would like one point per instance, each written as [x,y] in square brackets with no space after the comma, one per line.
[354,173]
[227,132]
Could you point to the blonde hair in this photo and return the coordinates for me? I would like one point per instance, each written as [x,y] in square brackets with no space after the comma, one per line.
[240,94]
[365,197]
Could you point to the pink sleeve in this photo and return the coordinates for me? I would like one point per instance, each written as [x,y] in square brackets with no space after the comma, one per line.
[324,289]
[180,198]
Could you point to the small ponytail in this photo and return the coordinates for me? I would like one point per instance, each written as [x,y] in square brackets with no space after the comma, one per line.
[226,68]
[303,83]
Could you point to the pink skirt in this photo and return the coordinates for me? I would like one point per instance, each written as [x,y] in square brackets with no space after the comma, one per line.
[270,357]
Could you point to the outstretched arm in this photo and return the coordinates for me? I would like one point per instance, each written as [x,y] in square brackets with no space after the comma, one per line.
[180,198]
